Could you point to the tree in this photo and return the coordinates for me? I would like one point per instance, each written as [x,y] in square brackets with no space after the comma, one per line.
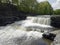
[44,8]
[6,1]
[28,5]
[15,2]
[57,12]
[31,6]
[0,1]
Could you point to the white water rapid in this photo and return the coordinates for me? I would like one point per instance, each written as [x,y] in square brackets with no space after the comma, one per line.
[16,33]
[37,24]
[12,36]
[40,20]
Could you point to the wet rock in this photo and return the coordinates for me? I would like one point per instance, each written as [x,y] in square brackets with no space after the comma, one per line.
[55,21]
[49,36]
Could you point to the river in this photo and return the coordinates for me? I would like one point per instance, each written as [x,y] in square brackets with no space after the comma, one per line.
[18,34]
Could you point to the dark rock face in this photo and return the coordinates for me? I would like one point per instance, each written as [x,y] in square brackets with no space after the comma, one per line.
[49,36]
[55,21]
[9,14]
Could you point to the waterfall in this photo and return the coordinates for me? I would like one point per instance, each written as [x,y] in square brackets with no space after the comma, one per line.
[45,21]
[40,20]
[18,34]
[38,24]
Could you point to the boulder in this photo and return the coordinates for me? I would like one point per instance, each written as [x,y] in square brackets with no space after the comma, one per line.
[49,36]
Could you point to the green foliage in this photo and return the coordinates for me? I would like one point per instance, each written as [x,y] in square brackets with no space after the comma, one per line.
[57,12]
[32,6]
[15,2]
[0,1]
[28,5]
[44,8]
[4,1]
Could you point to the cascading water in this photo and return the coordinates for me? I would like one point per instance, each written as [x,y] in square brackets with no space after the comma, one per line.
[40,20]
[14,35]
[45,21]
[38,24]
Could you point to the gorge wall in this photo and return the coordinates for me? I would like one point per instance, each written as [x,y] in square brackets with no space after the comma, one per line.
[9,14]
[55,21]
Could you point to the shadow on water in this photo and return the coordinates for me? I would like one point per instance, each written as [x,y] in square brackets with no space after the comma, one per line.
[23,41]
[47,41]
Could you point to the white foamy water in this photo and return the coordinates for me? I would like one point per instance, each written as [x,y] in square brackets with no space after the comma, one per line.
[40,20]
[11,36]
[17,34]
[30,26]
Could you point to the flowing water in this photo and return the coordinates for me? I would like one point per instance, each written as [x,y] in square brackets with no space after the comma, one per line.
[45,21]
[16,33]
[38,23]
[40,19]
[11,36]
